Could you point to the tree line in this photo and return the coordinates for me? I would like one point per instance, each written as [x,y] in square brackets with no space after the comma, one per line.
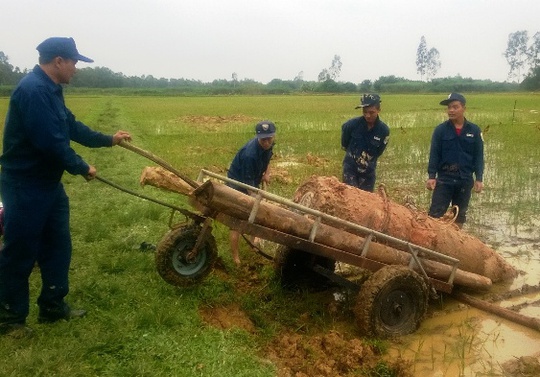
[522,55]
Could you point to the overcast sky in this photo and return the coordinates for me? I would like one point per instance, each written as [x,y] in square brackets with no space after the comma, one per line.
[262,40]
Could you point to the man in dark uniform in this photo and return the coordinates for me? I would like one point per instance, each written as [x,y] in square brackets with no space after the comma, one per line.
[36,152]
[251,167]
[364,139]
[457,152]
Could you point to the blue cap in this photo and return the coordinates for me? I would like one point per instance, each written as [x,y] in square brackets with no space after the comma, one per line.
[265,129]
[61,46]
[453,97]
[368,100]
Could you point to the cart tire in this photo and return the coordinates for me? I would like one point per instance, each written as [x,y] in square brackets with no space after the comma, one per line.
[392,302]
[171,254]
[293,268]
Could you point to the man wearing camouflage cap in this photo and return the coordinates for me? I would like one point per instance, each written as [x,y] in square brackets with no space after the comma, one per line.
[364,140]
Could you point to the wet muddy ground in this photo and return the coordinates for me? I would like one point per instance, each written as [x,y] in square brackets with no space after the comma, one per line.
[457,340]
[453,340]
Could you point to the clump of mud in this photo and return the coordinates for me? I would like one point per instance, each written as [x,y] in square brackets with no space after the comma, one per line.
[518,292]
[227,317]
[525,366]
[209,122]
[311,351]
[325,355]
[378,212]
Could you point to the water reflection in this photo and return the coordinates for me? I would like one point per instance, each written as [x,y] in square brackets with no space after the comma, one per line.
[456,340]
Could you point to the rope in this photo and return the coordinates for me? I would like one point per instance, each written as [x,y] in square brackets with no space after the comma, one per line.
[183,211]
[386,221]
[445,224]
[450,221]
[257,249]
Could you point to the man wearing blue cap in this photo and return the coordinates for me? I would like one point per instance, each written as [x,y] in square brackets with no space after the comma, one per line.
[457,152]
[36,152]
[364,140]
[251,167]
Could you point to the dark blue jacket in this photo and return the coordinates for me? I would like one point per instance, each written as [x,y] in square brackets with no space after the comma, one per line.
[363,147]
[38,131]
[250,163]
[456,156]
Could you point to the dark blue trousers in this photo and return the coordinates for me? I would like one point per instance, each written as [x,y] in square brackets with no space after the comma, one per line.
[361,181]
[36,230]
[451,191]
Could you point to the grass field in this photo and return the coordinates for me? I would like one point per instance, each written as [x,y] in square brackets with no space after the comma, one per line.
[137,324]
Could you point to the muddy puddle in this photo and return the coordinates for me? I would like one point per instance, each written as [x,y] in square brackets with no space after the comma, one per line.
[457,340]
[454,340]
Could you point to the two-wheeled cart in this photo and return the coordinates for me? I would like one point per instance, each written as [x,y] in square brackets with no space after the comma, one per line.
[391,302]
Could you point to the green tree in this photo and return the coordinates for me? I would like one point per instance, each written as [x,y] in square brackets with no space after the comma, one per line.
[433,63]
[323,75]
[421,58]
[335,68]
[516,53]
[533,52]
[532,80]
[427,61]
[328,86]
[234,78]
[333,72]
[98,77]
[382,81]
[365,86]
[8,75]
[348,87]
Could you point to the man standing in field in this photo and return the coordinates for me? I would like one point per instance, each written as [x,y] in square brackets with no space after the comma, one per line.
[457,152]
[251,167]
[364,139]
[36,152]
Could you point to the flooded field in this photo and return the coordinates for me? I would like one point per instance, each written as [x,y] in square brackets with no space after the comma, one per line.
[457,340]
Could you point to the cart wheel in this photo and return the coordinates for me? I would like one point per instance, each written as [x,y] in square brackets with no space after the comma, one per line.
[294,268]
[392,302]
[172,252]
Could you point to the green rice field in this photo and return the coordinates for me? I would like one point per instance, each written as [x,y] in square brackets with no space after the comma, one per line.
[138,325]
